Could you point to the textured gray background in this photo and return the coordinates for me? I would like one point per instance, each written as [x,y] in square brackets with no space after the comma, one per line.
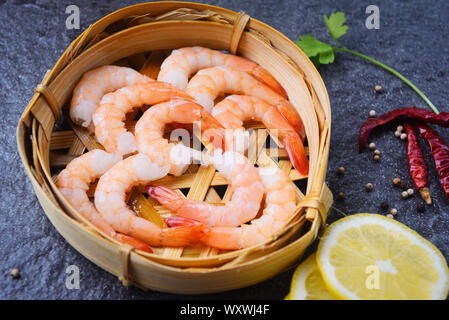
[413,38]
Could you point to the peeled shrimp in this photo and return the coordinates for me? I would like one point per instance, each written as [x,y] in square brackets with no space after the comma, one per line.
[209,83]
[247,195]
[280,206]
[184,62]
[94,85]
[233,110]
[110,200]
[149,133]
[74,181]
[109,117]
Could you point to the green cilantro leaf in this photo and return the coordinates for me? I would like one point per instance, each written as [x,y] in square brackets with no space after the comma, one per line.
[318,52]
[322,53]
[335,24]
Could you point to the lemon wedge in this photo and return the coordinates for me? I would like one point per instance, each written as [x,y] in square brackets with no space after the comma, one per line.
[307,283]
[369,256]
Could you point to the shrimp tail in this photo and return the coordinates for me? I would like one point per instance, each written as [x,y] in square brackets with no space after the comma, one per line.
[291,115]
[166,196]
[136,243]
[213,130]
[265,77]
[184,230]
[296,152]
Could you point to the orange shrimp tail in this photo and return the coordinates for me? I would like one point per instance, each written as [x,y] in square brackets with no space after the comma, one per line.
[136,243]
[265,77]
[165,196]
[213,131]
[291,115]
[296,152]
[184,231]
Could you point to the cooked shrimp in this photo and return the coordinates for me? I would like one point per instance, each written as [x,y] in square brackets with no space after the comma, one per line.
[247,195]
[74,181]
[149,133]
[209,83]
[111,203]
[109,117]
[280,206]
[232,111]
[94,85]
[184,62]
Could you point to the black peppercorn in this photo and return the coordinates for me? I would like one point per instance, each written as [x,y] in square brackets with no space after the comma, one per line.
[421,207]
[403,185]
[384,206]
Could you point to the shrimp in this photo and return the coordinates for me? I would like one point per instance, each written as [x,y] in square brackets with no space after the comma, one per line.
[280,207]
[109,117]
[184,62]
[94,85]
[74,181]
[149,133]
[209,83]
[111,203]
[233,110]
[247,195]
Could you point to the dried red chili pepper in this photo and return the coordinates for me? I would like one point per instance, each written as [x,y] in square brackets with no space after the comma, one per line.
[420,114]
[416,164]
[440,153]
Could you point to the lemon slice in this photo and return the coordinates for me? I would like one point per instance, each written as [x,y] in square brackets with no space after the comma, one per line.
[307,283]
[369,256]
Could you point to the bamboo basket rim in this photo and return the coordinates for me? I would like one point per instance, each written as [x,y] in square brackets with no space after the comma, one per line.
[52,76]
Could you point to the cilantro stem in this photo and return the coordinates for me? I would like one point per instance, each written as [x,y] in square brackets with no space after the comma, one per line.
[397,74]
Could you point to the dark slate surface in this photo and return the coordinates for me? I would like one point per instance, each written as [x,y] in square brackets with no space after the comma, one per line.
[413,38]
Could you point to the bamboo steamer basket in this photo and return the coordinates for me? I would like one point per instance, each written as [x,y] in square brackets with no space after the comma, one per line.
[141,36]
